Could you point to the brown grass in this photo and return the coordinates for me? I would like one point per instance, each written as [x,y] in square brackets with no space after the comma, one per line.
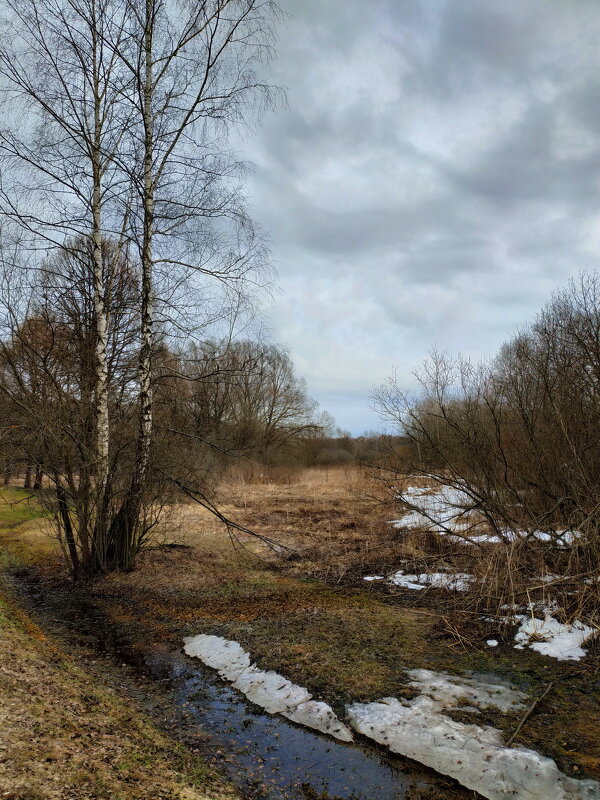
[65,736]
[336,519]
[64,733]
[343,639]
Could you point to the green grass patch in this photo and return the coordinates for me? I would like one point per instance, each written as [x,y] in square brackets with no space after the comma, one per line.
[18,506]
[23,537]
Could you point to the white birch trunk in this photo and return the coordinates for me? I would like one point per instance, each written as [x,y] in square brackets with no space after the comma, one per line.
[147,308]
[102,428]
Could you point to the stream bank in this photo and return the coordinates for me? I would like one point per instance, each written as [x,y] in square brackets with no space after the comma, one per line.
[264,756]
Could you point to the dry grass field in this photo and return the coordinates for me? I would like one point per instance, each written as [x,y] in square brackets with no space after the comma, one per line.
[311,617]
[308,614]
[334,520]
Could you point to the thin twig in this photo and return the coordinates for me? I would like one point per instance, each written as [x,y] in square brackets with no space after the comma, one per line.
[527,714]
[232,527]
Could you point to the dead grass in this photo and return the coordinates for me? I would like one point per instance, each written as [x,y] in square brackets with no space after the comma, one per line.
[25,532]
[343,639]
[64,736]
[341,643]
[336,519]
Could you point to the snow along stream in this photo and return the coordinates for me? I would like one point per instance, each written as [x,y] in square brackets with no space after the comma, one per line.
[420,728]
[268,690]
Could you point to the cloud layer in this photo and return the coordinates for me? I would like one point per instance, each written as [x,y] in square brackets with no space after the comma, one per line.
[434,176]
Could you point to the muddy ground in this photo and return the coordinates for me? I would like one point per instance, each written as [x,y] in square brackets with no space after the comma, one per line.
[309,615]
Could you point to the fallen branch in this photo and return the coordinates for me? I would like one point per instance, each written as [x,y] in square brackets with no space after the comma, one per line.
[232,527]
[528,713]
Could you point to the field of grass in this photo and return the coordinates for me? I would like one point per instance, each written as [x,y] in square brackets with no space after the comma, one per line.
[343,639]
[25,530]
[312,619]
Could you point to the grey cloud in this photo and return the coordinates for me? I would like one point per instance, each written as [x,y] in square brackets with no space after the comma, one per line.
[434,177]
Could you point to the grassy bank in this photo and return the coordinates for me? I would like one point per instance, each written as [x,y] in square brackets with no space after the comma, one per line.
[65,734]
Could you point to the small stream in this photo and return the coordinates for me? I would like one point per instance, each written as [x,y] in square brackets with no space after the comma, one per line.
[274,758]
[266,757]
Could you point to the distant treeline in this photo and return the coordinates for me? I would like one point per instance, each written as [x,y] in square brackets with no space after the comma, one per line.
[343,449]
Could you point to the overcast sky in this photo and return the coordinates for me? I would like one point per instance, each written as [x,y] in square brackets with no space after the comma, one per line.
[435,176]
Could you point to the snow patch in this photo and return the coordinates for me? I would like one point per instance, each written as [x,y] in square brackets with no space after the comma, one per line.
[473,755]
[315,714]
[492,642]
[227,657]
[476,756]
[553,638]
[269,690]
[450,510]
[454,581]
[449,690]
[441,510]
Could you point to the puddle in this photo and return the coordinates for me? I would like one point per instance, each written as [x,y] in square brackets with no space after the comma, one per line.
[277,759]
[266,757]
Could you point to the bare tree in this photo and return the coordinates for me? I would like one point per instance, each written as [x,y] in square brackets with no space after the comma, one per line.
[67,121]
[127,103]
[193,66]
[47,381]
[516,438]
[243,398]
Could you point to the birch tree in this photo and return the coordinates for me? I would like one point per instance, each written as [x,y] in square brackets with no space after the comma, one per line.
[47,380]
[118,112]
[66,122]
[194,66]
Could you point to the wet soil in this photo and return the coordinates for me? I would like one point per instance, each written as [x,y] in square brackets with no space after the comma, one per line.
[265,757]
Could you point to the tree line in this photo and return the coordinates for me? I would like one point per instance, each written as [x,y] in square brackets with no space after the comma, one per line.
[518,435]
[125,238]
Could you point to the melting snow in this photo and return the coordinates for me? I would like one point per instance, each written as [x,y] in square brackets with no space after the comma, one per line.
[269,690]
[474,755]
[492,643]
[420,729]
[450,690]
[227,657]
[455,581]
[450,510]
[552,638]
[440,511]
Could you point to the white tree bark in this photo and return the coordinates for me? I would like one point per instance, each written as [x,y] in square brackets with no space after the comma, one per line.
[147,305]
[58,59]
[102,431]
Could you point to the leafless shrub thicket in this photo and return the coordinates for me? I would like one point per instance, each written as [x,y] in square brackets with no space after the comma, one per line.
[216,402]
[518,438]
